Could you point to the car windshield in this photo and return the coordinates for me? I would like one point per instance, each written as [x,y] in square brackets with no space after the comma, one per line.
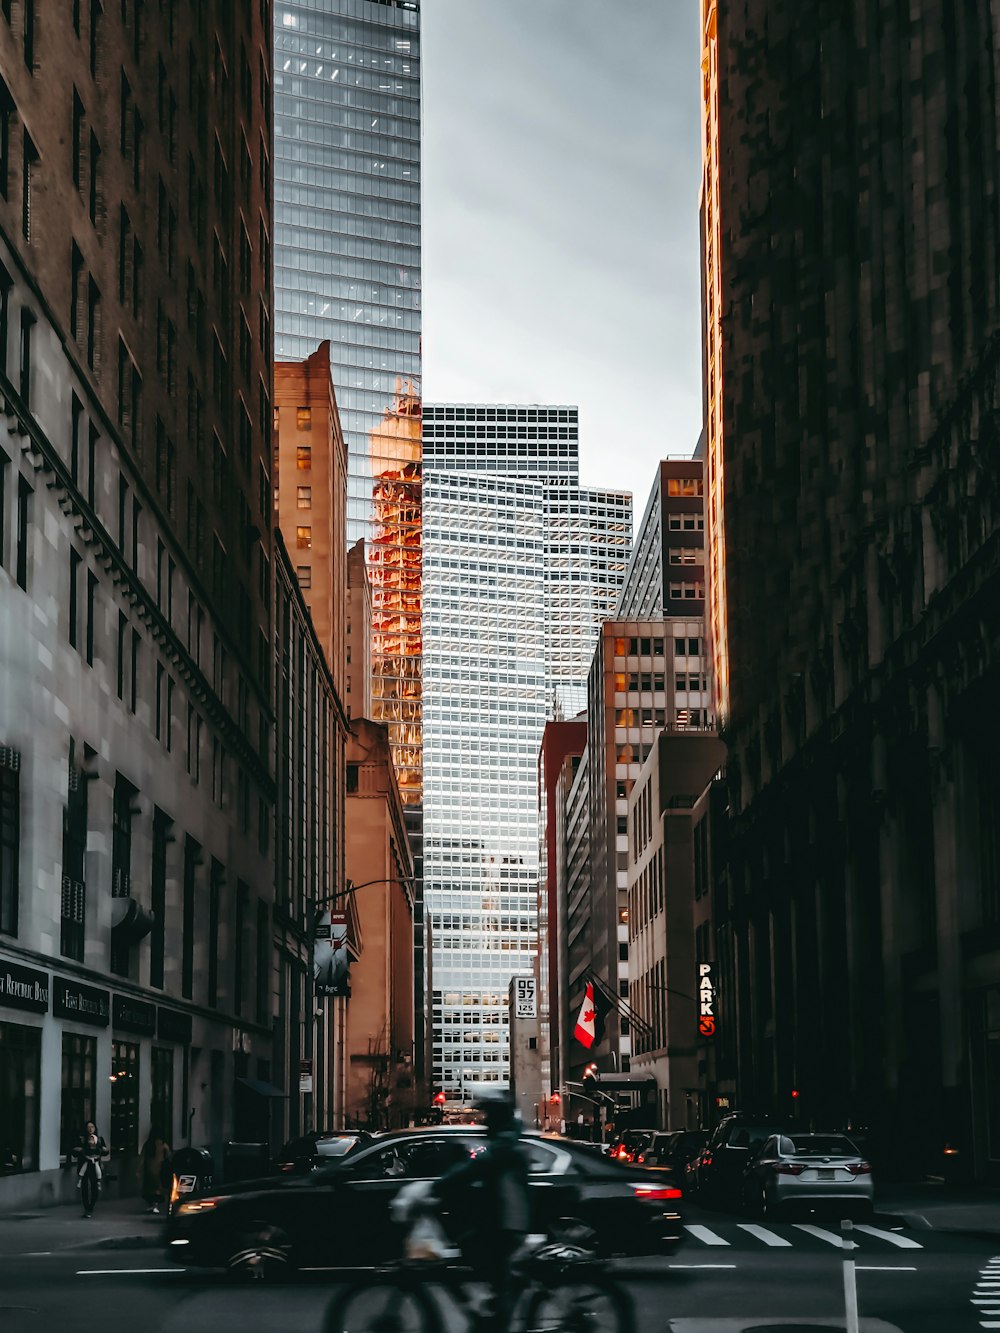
[819,1145]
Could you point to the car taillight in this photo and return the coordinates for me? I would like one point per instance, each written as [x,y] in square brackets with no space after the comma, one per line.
[859,1168]
[622,1154]
[657,1192]
[705,1160]
[789,1169]
[641,1157]
[286,1166]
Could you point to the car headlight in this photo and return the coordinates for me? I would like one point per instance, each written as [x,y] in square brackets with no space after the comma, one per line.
[198,1206]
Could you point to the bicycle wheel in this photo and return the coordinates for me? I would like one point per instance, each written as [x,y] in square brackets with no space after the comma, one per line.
[383,1305]
[574,1303]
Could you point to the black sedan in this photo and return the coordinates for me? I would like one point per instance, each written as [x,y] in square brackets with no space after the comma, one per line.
[338,1216]
[305,1154]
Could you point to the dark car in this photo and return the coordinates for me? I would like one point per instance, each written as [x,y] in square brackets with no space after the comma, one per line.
[673,1150]
[338,1215]
[629,1144]
[717,1171]
[299,1156]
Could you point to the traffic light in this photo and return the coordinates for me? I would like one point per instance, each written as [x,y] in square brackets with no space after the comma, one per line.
[795,1094]
[554,1098]
[439,1099]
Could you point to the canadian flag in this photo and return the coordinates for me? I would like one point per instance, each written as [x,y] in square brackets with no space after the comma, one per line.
[590,1023]
[586,1023]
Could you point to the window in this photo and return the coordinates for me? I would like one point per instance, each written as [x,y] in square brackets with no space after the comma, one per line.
[263,961]
[134,684]
[24,359]
[91,611]
[122,635]
[78,1104]
[303,418]
[10,838]
[303,538]
[29,33]
[23,521]
[74,598]
[74,846]
[305,497]
[215,887]
[6,115]
[95,161]
[303,457]
[161,1095]
[77,146]
[20,1070]
[158,896]
[304,575]
[192,859]
[93,327]
[124,1097]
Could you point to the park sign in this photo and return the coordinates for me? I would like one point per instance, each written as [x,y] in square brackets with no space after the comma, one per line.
[706,1001]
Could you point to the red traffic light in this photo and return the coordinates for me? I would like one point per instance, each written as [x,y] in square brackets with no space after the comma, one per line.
[439,1099]
[795,1092]
[554,1097]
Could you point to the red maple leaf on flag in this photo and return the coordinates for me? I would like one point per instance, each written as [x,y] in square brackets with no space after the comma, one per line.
[588,1016]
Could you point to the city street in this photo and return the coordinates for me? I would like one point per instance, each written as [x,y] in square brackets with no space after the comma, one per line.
[732,1276]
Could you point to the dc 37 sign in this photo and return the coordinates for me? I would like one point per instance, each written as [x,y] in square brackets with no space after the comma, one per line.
[706,1001]
[525,1003]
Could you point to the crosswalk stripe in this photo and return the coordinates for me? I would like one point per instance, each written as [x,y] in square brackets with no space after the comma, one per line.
[820,1233]
[762,1233]
[705,1234]
[893,1237]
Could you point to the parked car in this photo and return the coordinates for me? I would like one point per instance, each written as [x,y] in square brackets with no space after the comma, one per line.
[629,1144]
[717,1171]
[338,1215]
[673,1150]
[305,1154]
[814,1170]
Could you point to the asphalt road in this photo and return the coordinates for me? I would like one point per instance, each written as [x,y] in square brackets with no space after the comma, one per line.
[732,1276]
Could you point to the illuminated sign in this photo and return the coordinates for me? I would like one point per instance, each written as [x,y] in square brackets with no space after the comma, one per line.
[706,1001]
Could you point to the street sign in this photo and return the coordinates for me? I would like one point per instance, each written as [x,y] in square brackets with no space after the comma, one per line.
[706,1001]
[305,1076]
[525,1000]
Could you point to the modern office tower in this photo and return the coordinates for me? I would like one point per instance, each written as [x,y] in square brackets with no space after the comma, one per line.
[136,574]
[499,484]
[347,210]
[851,441]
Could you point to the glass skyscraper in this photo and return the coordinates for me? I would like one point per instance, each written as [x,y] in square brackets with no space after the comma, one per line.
[521,566]
[347,269]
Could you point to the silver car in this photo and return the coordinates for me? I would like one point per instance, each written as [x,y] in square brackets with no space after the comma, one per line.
[812,1170]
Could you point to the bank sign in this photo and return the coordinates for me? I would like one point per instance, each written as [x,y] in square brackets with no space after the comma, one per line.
[23,987]
[706,1000]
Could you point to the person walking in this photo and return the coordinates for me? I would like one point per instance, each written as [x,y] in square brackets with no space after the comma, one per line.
[155,1170]
[91,1152]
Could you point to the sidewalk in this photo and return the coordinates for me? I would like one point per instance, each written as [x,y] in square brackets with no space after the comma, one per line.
[117,1224]
[923,1204]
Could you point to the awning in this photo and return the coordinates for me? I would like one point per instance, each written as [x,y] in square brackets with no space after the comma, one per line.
[261,1088]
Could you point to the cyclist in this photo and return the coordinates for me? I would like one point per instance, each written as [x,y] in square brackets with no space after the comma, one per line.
[487,1199]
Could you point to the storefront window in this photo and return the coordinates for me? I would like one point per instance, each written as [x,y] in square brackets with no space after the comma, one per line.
[20,1070]
[79,1061]
[125,1096]
[161,1102]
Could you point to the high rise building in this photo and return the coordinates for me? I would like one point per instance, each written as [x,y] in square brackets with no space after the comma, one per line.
[851,395]
[347,209]
[507,591]
[136,577]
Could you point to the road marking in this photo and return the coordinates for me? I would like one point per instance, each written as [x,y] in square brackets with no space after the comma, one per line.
[762,1233]
[885,1268]
[702,1265]
[903,1242]
[114,1272]
[830,1237]
[705,1234]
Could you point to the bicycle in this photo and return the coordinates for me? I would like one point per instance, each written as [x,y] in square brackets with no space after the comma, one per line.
[558,1288]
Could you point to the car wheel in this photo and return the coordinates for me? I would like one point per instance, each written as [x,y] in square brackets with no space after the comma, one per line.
[263,1253]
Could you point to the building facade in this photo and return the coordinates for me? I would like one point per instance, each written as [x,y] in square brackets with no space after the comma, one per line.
[851,455]
[310,771]
[672,977]
[358,690]
[136,872]
[383,1085]
[501,493]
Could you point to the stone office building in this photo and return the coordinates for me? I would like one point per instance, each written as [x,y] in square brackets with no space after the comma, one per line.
[136,796]
[851,245]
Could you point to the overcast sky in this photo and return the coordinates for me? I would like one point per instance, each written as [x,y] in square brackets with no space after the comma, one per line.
[561,165]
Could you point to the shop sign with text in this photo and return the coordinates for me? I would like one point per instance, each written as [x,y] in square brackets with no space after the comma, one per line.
[706,1001]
